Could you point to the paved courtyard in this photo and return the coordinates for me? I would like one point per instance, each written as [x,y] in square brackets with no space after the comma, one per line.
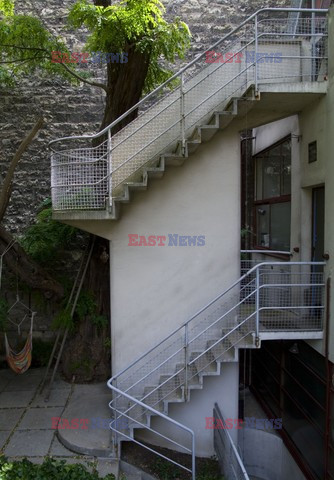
[26,419]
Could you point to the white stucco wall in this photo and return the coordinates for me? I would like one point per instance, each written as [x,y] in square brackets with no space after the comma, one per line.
[155,289]
[266,457]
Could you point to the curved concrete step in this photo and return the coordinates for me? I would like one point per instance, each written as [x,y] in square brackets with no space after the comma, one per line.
[92,405]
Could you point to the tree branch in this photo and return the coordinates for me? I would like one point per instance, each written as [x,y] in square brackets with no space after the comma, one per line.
[69,70]
[20,47]
[7,184]
[93,84]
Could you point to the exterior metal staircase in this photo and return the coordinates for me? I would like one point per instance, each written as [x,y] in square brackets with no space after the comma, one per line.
[272,299]
[216,87]
[275,298]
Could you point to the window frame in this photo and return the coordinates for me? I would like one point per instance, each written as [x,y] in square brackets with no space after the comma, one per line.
[267,201]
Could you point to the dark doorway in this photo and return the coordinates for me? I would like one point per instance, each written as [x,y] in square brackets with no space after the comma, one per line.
[318,224]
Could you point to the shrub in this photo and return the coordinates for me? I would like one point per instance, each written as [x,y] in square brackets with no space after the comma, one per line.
[50,469]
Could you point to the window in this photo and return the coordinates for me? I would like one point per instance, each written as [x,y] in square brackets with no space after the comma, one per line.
[312,152]
[273,197]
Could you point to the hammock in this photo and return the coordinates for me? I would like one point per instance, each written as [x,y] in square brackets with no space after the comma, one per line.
[20,362]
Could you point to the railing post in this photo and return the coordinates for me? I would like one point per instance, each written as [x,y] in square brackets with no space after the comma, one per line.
[257,306]
[109,170]
[115,435]
[193,459]
[256,53]
[186,361]
[313,43]
[183,118]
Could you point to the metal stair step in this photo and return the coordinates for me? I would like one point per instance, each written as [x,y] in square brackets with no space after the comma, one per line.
[223,351]
[193,377]
[204,364]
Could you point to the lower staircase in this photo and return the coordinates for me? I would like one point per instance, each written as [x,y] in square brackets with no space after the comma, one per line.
[285,299]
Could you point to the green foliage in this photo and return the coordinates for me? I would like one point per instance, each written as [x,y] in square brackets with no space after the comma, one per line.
[207,470]
[50,469]
[165,470]
[44,240]
[7,7]
[41,352]
[134,22]
[25,46]
[63,320]
[86,306]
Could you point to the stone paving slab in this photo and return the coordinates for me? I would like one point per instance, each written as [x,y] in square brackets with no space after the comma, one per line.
[3,438]
[20,383]
[106,466]
[58,398]
[29,443]
[80,391]
[39,418]
[58,449]
[3,383]
[9,418]
[60,384]
[34,438]
[15,399]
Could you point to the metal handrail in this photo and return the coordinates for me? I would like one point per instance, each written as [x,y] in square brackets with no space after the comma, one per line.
[234,284]
[165,417]
[268,252]
[235,453]
[186,67]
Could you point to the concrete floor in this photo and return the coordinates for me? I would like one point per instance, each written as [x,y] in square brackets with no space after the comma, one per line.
[27,423]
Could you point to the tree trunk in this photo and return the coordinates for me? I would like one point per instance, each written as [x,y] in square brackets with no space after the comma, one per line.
[87,355]
[89,358]
[123,91]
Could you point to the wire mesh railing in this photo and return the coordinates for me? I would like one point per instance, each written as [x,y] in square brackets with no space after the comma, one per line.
[261,50]
[272,296]
[250,258]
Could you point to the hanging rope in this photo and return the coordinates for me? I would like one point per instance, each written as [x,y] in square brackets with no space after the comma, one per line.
[9,246]
[21,361]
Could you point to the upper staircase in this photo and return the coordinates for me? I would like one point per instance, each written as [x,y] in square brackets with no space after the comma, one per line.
[264,54]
